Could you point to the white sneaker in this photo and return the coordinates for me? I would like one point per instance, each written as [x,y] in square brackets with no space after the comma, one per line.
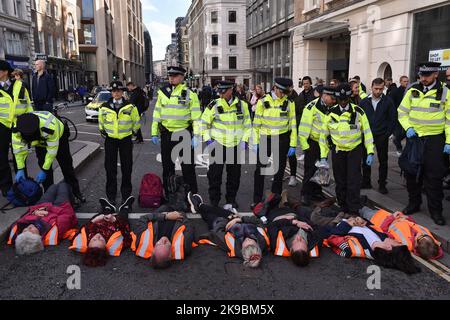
[229,207]
[293,182]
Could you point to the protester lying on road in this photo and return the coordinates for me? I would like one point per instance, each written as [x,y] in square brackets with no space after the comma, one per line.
[404,229]
[241,237]
[354,237]
[46,223]
[164,236]
[106,234]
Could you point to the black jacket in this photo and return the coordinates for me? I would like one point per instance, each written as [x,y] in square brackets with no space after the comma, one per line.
[301,101]
[382,121]
[391,89]
[137,97]
[43,89]
[397,95]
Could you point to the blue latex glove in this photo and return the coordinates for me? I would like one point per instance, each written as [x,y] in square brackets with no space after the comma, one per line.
[447,149]
[410,133]
[369,161]
[195,142]
[40,178]
[155,140]
[209,142]
[243,145]
[291,152]
[324,162]
[255,148]
[20,175]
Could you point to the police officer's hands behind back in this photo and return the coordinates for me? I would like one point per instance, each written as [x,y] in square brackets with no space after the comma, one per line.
[411,133]
[40,178]
[20,175]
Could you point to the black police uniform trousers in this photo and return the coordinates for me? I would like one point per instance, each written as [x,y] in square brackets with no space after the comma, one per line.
[229,158]
[6,180]
[347,175]
[277,185]
[65,161]
[312,155]
[293,165]
[382,145]
[210,214]
[433,172]
[168,163]
[113,148]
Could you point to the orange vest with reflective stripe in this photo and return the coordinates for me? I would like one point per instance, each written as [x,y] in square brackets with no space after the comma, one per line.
[380,217]
[337,242]
[281,248]
[51,238]
[114,245]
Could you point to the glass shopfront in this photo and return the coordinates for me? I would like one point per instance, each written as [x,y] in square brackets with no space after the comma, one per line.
[431,38]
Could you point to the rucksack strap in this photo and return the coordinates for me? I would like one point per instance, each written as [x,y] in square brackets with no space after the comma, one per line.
[285,106]
[5,207]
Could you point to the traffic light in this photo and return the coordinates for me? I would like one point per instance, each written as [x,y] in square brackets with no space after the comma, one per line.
[115,75]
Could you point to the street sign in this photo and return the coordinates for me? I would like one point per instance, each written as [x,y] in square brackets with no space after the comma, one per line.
[442,56]
[41,56]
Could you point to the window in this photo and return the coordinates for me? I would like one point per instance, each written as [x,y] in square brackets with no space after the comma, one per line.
[89,34]
[87,9]
[13,43]
[215,62]
[41,43]
[232,39]
[56,12]
[214,17]
[18,8]
[50,45]
[232,16]
[281,9]
[232,62]
[215,40]
[58,47]
[48,8]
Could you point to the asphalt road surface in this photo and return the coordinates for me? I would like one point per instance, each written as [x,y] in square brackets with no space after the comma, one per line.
[208,273]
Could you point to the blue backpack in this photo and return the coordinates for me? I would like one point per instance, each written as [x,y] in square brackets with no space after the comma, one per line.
[411,160]
[24,193]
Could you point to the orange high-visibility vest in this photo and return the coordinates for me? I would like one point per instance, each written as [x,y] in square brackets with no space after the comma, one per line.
[51,238]
[282,250]
[231,242]
[178,244]
[115,244]
[356,248]
[80,243]
[380,217]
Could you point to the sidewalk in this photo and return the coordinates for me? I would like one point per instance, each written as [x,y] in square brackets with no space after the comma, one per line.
[81,151]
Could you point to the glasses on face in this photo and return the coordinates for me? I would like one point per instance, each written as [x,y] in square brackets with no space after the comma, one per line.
[423,236]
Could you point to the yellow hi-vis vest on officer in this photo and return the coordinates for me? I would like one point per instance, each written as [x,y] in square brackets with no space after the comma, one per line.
[227,124]
[177,110]
[362,93]
[51,130]
[121,124]
[346,130]
[428,114]
[274,117]
[11,108]
[311,124]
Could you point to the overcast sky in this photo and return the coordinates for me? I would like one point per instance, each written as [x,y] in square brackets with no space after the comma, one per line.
[159,17]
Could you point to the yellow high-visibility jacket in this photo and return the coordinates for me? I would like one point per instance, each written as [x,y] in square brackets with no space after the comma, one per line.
[121,123]
[12,107]
[312,122]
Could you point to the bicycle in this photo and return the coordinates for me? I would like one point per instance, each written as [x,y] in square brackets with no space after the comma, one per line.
[73,131]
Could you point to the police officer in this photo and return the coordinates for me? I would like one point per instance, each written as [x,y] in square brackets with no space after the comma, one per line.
[176,109]
[51,138]
[274,121]
[347,125]
[425,113]
[14,101]
[118,120]
[227,121]
[309,134]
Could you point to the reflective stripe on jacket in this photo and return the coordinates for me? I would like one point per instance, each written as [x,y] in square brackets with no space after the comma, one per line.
[177,112]
[114,245]
[12,107]
[282,250]
[50,141]
[347,130]
[311,124]
[121,124]
[227,124]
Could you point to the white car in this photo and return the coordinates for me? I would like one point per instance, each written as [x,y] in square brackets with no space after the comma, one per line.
[92,108]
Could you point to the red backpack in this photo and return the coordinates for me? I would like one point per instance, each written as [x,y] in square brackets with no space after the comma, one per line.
[151,191]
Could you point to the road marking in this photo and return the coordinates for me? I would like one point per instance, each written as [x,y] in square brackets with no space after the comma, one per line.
[136,216]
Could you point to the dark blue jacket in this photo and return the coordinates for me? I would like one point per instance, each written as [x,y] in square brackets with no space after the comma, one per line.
[43,91]
[382,121]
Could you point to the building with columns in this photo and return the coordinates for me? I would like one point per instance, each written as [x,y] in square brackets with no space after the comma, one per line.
[370,38]
[217,35]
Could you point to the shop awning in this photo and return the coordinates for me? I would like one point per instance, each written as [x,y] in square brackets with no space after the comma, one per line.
[324,29]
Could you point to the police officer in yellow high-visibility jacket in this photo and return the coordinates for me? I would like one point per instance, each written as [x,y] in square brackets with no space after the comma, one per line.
[14,101]
[118,120]
[227,122]
[50,136]
[176,109]
[348,126]
[425,113]
[274,117]
[309,134]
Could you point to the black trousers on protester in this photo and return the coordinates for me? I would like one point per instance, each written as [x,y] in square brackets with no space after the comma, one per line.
[6,180]
[382,146]
[399,136]
[293,165]
[215,173]
[210,214]
[65,161]
[277,185]
[57,194]
[347,175]
[124,148]
[168,163]
[312,155]
[433,172]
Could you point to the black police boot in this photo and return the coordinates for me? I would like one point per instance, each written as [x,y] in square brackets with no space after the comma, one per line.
[127,206]
[382,189]
[438,219]
[411,209]
[108,207]
[366,185]
[195,201]
[80,197]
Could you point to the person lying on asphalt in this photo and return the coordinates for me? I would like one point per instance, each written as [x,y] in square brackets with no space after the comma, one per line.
[106,234]
[240,237]
[164,236]
[45,224]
